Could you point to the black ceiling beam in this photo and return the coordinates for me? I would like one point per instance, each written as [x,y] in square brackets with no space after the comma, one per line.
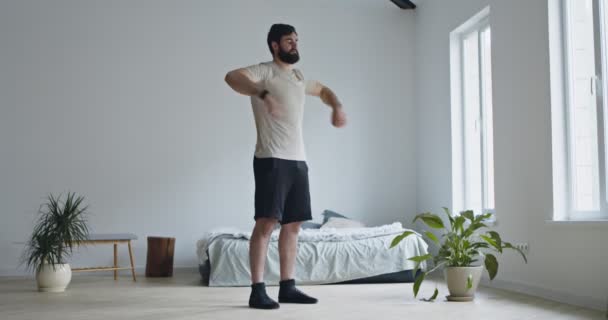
[404,4]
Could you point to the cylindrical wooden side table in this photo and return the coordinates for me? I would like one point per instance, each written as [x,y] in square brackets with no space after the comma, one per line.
[159,261]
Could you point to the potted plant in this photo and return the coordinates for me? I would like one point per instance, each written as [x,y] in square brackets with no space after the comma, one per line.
[60,227]
[462,247]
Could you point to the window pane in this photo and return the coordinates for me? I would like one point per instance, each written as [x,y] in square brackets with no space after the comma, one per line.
[582,113]
[488,136]
[472,133]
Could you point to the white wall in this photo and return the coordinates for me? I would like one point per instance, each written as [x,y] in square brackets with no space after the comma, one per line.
[124,102]
[566,262]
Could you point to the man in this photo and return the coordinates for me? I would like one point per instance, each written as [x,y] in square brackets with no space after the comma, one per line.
[277,92]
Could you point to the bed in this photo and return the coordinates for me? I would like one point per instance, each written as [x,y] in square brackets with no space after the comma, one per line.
[326,255]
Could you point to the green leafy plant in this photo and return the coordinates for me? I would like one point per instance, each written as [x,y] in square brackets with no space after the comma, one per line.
[461,244]
[60,227]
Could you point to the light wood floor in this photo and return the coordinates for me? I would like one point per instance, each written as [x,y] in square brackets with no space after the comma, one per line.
[182,297]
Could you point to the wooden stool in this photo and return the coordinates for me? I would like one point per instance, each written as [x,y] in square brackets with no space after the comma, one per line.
[115,239]
[159,262]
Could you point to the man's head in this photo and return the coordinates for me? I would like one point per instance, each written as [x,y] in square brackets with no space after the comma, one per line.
[283,43]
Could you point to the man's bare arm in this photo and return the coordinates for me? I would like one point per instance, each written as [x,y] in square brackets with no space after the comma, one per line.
[338,117]
[327,96]
[240,81]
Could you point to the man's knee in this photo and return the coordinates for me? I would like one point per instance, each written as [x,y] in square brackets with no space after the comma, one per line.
[293,227]
[264,226]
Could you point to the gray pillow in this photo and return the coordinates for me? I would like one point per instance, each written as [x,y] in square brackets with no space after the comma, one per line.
[311,225]
[331,214]
[342,223]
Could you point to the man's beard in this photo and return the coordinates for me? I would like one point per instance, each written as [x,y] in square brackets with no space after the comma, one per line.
[289,58]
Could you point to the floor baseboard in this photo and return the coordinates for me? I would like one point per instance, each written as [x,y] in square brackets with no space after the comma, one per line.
[550,294]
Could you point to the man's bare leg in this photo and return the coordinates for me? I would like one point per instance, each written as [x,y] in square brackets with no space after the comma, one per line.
[258,249]
[288,246]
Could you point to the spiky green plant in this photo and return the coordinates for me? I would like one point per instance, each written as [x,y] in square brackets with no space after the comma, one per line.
[60,227]
[460,245]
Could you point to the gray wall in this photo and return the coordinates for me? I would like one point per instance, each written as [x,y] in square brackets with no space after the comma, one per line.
[566,262]
[124,102]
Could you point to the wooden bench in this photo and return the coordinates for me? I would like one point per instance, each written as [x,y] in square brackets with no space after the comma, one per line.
[115,239]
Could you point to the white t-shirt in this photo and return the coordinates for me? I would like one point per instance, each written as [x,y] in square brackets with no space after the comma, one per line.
[280,136]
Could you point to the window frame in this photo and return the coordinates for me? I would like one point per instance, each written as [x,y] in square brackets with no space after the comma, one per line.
[562,86]
[478,24]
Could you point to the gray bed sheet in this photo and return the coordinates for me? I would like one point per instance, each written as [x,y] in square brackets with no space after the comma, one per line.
[355,261]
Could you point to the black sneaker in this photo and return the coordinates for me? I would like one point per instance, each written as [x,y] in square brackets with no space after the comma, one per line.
[259,299]
[288,293]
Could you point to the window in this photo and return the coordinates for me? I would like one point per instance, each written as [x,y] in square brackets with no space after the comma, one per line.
[472,129]
[578,61]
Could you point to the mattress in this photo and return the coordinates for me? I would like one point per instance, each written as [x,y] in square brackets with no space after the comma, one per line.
[324,256]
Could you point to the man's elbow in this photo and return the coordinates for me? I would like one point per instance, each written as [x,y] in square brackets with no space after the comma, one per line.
[229,78]
[324,92]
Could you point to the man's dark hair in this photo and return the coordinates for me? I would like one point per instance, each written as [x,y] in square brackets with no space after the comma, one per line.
[277,31]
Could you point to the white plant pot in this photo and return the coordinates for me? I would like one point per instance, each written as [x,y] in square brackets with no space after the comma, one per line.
[456,278]
[53,279]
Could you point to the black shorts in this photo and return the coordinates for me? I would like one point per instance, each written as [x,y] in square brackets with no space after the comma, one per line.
[281,190]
